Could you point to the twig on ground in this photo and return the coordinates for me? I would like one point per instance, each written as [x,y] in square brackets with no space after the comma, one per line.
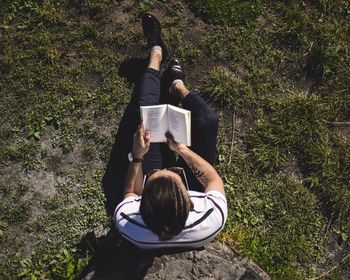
[329,271]
[328,225]
[337,123]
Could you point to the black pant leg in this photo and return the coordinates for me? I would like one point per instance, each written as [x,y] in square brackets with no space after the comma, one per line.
[149,94]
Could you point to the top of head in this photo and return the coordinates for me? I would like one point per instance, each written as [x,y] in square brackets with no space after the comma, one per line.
[165,204]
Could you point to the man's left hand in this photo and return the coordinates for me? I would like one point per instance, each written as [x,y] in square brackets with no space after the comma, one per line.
[142,141]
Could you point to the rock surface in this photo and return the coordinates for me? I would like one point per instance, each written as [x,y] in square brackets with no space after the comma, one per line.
[217,261]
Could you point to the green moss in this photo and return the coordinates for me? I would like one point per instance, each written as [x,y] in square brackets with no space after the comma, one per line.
[27,153]
[14,210]
[15,213]
[86,212]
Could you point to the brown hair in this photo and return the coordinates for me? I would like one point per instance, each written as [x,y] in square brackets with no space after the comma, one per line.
[164,207]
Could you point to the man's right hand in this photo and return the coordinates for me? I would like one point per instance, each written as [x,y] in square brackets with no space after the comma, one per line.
[173,145]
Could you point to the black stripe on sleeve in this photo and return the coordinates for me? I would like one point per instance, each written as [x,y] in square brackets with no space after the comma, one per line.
[121,205]
[116,212]
[206,215]
[218,197]
[221,212]
[198,196]
[132,220]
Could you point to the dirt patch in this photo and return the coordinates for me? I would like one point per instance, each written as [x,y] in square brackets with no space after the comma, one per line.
[91,82]
[337,256]
[342,128]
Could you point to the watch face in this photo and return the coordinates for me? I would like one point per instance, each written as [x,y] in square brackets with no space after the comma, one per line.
[130,157]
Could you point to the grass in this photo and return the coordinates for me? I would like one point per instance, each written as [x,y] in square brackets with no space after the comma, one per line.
[285,84]
[262,208]
[18,215]
[277,73]
[227,12]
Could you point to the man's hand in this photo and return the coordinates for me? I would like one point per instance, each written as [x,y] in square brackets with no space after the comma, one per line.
[202,170]
[173,145]
[142,141]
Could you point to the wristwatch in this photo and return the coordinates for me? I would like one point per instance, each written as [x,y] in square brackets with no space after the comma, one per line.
[132,158]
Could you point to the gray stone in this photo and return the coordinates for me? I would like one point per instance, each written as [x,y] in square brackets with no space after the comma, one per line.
[216,261]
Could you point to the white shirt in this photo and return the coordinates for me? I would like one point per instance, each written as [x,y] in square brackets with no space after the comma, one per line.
[204,222]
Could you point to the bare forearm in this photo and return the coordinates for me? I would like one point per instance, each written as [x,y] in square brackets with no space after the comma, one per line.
[133,181]
[204,171]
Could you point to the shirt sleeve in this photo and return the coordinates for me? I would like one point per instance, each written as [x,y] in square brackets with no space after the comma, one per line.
[220,204]
[129,205]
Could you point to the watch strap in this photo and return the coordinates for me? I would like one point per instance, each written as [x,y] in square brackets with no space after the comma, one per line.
[136,159]
[132,158]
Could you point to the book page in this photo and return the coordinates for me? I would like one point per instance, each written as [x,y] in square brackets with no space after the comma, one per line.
[155,119]
[179,124]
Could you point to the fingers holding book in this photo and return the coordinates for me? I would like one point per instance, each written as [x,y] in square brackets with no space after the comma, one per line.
[142,141]
[173,145]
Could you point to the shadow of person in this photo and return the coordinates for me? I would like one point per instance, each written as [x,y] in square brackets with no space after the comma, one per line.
[114,177]
[113,258]
[132,69]
[112,255]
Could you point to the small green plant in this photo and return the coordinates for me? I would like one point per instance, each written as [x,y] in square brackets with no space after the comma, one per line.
[90,32]
[88,153]
[139,8]
[183,49]
[65,264]
[13,209]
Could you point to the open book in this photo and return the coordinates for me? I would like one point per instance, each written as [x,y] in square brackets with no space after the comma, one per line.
[162,118]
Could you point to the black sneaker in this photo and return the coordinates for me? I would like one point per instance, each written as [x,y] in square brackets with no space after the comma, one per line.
[152,31]
[174,71]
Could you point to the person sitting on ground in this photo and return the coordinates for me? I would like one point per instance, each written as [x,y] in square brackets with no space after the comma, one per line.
[158,211]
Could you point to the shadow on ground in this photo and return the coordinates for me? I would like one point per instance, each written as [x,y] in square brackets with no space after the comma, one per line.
[114,177]
[110,253]
[114,258]
[113,180]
